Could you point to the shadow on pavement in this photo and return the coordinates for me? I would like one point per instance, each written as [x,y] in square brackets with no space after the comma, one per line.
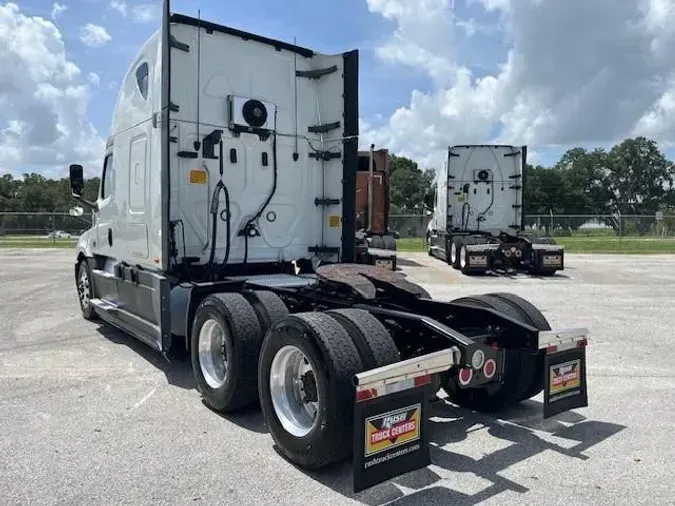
[406,262]
[178,372]
[523,427]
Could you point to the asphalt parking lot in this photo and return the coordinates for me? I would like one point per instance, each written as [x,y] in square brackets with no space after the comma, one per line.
[90,416]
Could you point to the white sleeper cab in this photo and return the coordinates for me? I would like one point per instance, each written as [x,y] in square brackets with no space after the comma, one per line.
[478,224]
[225,228]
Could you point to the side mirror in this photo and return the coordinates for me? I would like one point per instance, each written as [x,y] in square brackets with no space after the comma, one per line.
[76,211]
[76,180]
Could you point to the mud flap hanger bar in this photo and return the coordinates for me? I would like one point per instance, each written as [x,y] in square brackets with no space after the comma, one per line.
[395,377]
[382,380]
[554,341]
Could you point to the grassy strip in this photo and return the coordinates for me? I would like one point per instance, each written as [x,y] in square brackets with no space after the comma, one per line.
[37,243]
[625,245]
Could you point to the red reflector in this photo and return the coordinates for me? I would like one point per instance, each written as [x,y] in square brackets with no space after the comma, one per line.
[582,343]
[489,368]
[552,349]
[465,375]
[364,395]
[422,380]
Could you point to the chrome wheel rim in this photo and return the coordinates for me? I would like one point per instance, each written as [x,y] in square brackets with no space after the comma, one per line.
[294,391]
[83,288]
[462,256]
[212,353]
[453,253]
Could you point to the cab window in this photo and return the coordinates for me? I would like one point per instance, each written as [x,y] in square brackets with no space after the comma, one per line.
[108,179]
[142,76]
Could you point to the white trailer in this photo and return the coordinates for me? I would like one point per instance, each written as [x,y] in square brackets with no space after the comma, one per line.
[225,227]
[478,222]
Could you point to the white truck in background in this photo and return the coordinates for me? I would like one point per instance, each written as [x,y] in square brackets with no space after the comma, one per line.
[225,226]
[478,222]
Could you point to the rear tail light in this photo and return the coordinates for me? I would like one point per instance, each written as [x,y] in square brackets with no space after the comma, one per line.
[465,376]
[490,368]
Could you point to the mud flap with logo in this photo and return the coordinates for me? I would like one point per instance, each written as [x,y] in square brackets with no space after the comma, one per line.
[390,436]
[565,381]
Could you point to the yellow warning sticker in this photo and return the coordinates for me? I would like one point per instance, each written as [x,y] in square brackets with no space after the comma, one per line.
[334,221]
[460,197]
[198,176]
[389,430]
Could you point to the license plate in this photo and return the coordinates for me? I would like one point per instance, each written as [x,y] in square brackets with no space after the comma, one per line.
[478,261]
[551,260]
[384,263]
[565,382]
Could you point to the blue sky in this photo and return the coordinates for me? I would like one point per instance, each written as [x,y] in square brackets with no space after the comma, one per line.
[413,56]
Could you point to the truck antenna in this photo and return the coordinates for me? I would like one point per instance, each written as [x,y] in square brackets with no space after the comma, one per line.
[199,61]
[295,97]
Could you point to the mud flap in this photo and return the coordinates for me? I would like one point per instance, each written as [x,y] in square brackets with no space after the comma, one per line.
[390,436]
[565,381]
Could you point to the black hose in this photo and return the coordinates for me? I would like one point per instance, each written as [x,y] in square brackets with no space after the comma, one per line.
[245,230]
[492,201]
[215,204]
[214,228]
[227,222]
[465,220]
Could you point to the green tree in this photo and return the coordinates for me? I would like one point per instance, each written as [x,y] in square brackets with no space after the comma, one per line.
[640,178]
[640,181]
[584,181]
[409,186]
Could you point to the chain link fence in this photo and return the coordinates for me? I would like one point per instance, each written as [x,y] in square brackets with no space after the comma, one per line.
[37,228]
[610,225]
[611,232]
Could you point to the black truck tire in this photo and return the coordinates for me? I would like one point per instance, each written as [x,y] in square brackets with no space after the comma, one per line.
[233,316]
[453,254]
[85,290]
[268,306]
[519,370]
[328,349]
[373,341]
[529,314]
[389,242]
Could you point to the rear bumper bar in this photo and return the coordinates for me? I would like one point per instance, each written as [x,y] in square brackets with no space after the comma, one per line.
[410,373]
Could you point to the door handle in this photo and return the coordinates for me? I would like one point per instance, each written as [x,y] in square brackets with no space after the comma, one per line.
[110,237]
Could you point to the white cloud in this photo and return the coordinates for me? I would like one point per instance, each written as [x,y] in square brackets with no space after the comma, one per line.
[144,13]
[41,98]
[608,78]
[94,78]
[119,6]
[94,35]
[57,9]
[141,13]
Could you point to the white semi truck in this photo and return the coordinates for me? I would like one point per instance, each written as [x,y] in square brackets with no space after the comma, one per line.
[478,222]
[225,226]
